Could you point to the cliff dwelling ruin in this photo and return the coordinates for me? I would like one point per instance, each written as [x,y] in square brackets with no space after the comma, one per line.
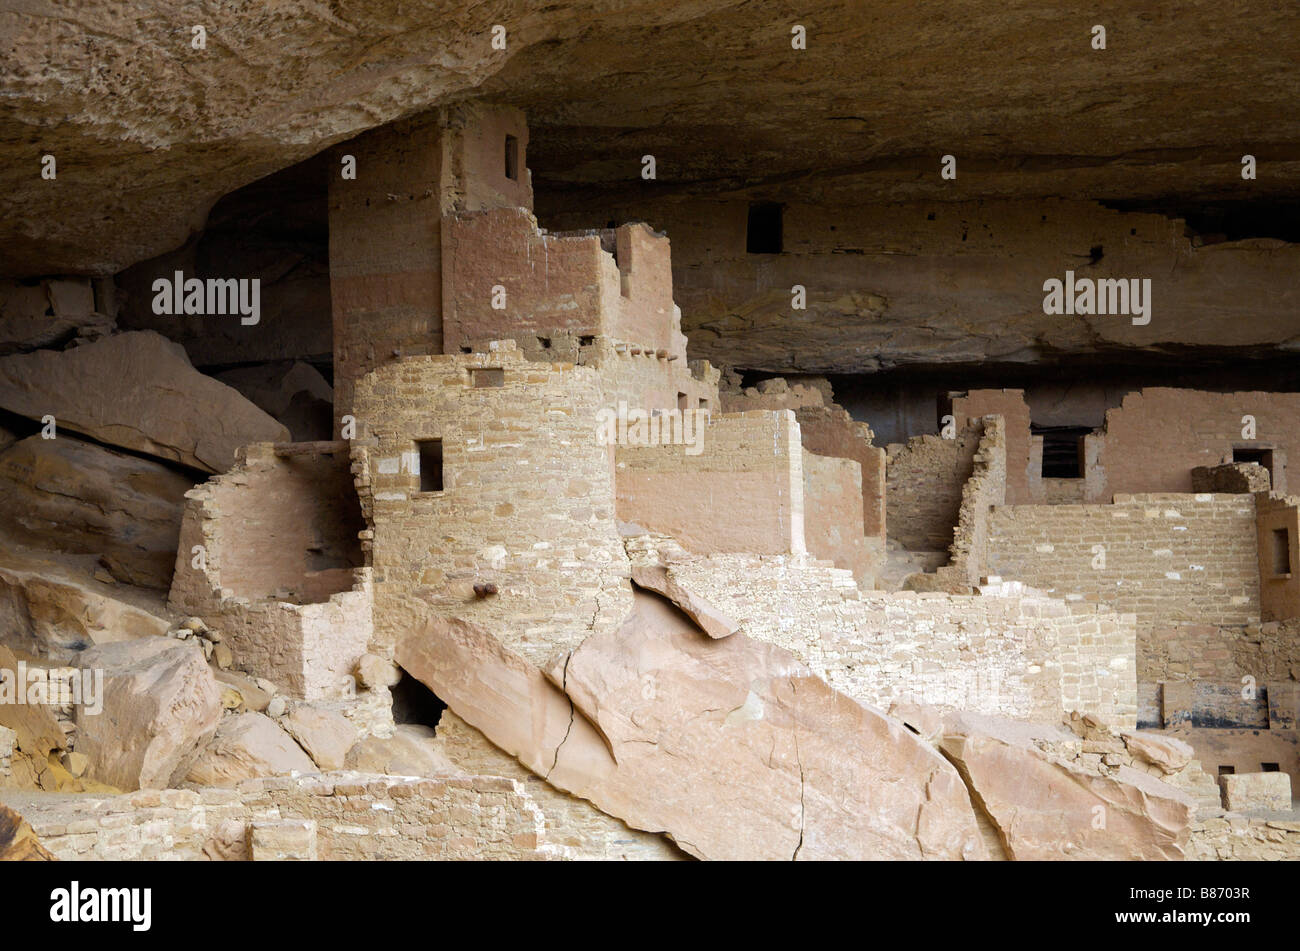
[565,457]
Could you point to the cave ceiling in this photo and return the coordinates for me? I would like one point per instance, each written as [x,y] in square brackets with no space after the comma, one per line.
[149,133]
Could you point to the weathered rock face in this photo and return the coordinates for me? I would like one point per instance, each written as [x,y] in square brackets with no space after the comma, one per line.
[18,843]
[86,499]
[279,85]
[292,392]
[47,313]
[245,746]
[137,391]
[729,745]
[51,610]
[1047,808]
[160,703]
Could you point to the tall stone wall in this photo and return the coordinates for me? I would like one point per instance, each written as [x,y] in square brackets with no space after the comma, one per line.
[923,489]
[832,521]
[526,500]
[1024,484]
[387,232]
[826,429]
[986,488]
[1170,559]
[744,491]
[1158,436]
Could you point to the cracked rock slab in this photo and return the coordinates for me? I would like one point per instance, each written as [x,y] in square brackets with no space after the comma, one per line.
[1046,808]
[731,747]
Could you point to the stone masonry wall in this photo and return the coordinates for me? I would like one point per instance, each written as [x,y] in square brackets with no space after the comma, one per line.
[1024,485]
[986,488]
[249,542]
[385,238]
[1159,435]
[832,521]
[826,429]
[526,503]
[330,816]
[1279,556]
[554,284]
[387,230]
[743,492]
[924,483]
[1006,650]
[1169,559]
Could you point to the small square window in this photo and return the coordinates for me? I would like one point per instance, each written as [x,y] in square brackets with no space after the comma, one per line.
[430,452]
[489,376]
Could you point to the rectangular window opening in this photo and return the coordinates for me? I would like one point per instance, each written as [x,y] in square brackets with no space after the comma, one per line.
[489,376]
[763,234]
[430,451]
[512,158]
[1062,450]
[683,401]
[1270,767]
[1227,770]
[1281,551]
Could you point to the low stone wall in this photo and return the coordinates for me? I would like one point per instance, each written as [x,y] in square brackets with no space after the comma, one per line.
[1230,838]
[348,815]
[1007,651]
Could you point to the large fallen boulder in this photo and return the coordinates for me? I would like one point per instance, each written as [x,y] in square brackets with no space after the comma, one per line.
[1046,806]
[326,736]
[50,609]
[245,746]
[1168,753]
[409,751]
[137,390]
[160,703]
[730,746]
[69,495]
